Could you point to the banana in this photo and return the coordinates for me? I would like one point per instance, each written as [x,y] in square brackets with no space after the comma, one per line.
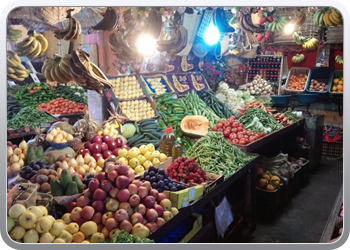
[334,19]
[36,52]
[58,75]
[11,62]
[44,44]
[336,13]
[47,70]
[13,77]
[15,57]
[320,19]
[25,43]
[30,49]
[10,70]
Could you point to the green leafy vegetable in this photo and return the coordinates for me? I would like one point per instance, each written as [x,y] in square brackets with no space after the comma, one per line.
[125,237]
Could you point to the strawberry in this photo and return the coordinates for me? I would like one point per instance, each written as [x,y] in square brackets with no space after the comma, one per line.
[267,35]
[262,20]
[270,19]
[192,175]
[201,180]
[259,37]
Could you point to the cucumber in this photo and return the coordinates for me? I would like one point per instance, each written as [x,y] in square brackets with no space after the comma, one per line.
[150,127]
[135,138]
[151,136]
[137,128]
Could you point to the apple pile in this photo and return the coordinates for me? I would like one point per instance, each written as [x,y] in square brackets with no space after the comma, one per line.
[116,201]
[103,146]
[318,86]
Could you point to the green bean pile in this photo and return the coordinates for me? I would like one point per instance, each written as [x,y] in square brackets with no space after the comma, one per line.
[29,116]
[266,120]
[214,154]
[291,116]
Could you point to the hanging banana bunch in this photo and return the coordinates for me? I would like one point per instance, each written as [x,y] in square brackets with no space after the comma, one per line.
[33,46]
[72,31]
[109,20]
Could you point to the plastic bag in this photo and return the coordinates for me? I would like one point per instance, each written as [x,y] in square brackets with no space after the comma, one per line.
[223,217]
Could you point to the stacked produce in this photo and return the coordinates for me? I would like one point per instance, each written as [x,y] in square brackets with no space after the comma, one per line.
[339,59]
[337,85]
[234,132]
[297,82]
[58,136]
[157,87]
[34,94]
[80,165]
[278,165]
[57,69]
[160,180]
[115,201]
[109,130]
[147,131]
[62,106]
[213,153]
[15,70]
[282,119]
[137,110]
[29,116]
[291,116]
[72,31]
[13,34]
[327,17]
[33,46]
[220,109]
[318,86]
[255,104]
[15,156]
[66,185]
[267,181]
[127,87]
[258,120]
[259,86]
[72,93]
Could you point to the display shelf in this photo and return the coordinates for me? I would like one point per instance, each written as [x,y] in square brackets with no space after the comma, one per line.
[22,135]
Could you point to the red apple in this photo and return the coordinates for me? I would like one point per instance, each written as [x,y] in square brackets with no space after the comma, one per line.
[107,154]
[126,226]
[126,147]
[121,215]
[144,221]
[166,204]
[97,218]
[119,142]
[122,182]
[115,151]
[112,145]
[140,209]
[99,194]
[154,193]
[96,148]
[130,175]
[137,183]
[106,185]
[81,221]
[104,147]
[99,206]
[71,205]
[134,200]
[113,192]
[105,232]
[82,201]
[88,145]
[123,169]
[101,176]
[96,139]
[147,184]
[106,216]
[97,156]
[161,196]
[75,214]
[111,223]
[132,189]
[112,176]
[87,212]
[93,185]
[270,19]
[136,218]
[142,192]
[152,226]
[100,227]
[149,201]
[88,193]
[151,215]
[106,138]
[159,209]
[262,20]
[81,152]
[160,222]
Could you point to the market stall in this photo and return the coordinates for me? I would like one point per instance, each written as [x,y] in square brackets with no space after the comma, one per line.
[187,116]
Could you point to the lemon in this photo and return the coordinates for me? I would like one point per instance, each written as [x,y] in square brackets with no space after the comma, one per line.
[147,164]
[134,162]
[141,159]
[133,153]
[162,157]
[139,169]
[156,154]
[123,152]
[155,162]
[149,156]
[143,149]
[49,137]
[124,160]
[136,149]
[150,147]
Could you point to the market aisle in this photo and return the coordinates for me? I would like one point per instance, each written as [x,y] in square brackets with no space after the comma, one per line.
[304,218]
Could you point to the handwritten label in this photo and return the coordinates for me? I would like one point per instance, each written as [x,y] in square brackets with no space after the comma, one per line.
[34,77]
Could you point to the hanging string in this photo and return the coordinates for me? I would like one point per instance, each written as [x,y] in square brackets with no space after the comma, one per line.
[58,26]
[81,34]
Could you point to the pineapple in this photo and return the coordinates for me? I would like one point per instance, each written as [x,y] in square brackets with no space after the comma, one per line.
[78,136]
[92,126]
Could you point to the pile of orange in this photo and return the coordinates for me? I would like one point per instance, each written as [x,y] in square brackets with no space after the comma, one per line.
[267,181]
[297,82]
[337,85]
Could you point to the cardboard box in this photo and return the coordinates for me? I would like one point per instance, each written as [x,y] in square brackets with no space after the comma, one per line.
[182,198]
[197,226]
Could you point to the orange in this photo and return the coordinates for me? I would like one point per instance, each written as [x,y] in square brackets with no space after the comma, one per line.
[336,81]
[341,82]
[262,183]
[334,88]
[269,187]
[340,87]
[259,171]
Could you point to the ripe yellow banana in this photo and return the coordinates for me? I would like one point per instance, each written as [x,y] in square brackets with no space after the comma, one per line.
[46,71]
[36,52]
[10,70]
[44,44]
[30,49]
[25,43]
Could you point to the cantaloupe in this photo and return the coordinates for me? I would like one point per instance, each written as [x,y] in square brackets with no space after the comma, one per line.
[195,125]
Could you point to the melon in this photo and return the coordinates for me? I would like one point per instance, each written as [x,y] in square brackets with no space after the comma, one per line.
[195,126]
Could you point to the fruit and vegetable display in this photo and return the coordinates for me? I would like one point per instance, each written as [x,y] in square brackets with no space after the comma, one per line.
[282,119]
[278,24]
[125,237]
[268,181]
[15,156]
[214,154]
[337,86]
[161,180]
[297,82]
[291,116]
[156,86]
[194,126]
[296,163]
[15,70]
[62,106]
[127,87]
[298,58]
[29,116]
[34,45]
[13,107]
[147,131]
[234,132]
[65,184]
[258,120]
[72,31]
[220,109]
[256,104]
[316,85]
[137,110]
[259,86]
[34,94]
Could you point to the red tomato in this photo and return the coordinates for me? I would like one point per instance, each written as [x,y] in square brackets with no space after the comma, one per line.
[239,136]
[249,132]
[219,125]
[234,130]
[233,136]
[239,133]
[236,123]
[215,128]
[240,129]
[245,136]
[222,120]
[220,129]
[227,133]
[261,134]
[245,132]
[227,124]
[242,142]
[235,141]
[232,117]
[246,140]
[251,138]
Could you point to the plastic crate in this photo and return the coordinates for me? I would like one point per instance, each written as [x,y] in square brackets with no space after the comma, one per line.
[295,71]
[30,201]
[336,74]
[332,148]
[269,203]
[46,200]
[321,75]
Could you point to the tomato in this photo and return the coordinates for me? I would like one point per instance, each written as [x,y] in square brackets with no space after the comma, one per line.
[234,130]
[232,136]
[245,132]
[219,125]
[245,136]
[240,125]
[239,136]
[227,132]
[235,141]
[227,124]
[251,138]
[215,128]
[222,120]
[236,124]
[246,140]
[220,130]
[261,134]
[242,142]
[232,117]
[240,129]
[249,132]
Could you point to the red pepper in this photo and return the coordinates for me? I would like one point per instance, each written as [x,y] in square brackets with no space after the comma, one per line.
[32,91]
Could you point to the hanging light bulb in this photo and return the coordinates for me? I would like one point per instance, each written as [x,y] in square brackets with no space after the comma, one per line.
[146,44]
[211,35]
[289,28]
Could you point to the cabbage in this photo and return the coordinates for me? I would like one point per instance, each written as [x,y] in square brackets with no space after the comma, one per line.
[245,95]
[239,93]
[251,98]
[128,130]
